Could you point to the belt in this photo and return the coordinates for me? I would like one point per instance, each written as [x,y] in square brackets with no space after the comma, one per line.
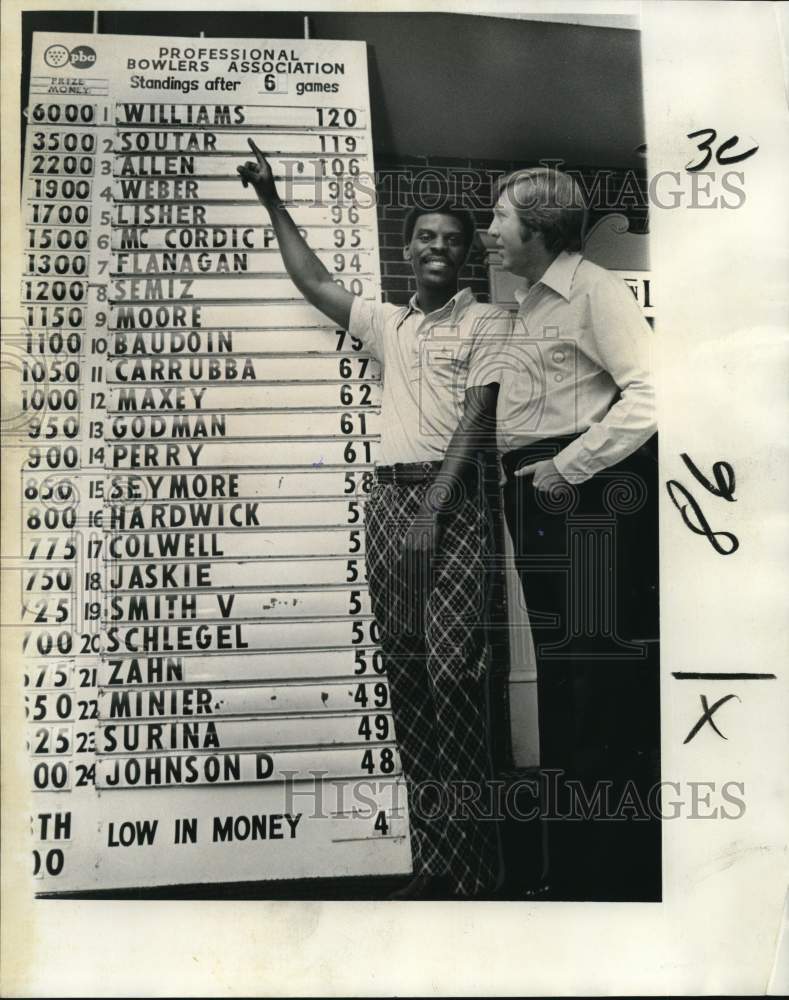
[406,472]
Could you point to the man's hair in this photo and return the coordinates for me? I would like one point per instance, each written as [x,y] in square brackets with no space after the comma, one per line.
[465,218]
[549,202]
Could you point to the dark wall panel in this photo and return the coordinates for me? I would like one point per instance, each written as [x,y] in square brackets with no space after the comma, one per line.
[448,84]
[459,85]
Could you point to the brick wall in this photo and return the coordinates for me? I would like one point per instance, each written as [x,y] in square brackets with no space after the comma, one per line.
[472,184]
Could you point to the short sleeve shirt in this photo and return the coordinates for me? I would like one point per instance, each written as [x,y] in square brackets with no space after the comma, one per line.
[429,361]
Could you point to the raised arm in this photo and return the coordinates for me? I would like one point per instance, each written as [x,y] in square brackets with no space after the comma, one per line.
[305,269]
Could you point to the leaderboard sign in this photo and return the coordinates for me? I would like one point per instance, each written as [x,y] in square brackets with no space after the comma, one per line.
[204,697]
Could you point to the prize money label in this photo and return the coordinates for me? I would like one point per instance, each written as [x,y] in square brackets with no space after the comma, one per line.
[199,448]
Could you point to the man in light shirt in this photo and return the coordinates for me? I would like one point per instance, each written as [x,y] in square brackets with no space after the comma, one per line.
[427,525]
[576,413]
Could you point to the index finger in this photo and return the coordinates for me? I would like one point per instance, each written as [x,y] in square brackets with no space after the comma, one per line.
[527,470]
[258,155]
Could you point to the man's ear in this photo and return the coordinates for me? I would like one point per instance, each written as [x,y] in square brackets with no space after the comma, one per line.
[528,233]
[407,252]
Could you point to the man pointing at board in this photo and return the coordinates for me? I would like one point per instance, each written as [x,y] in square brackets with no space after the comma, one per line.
[427,525]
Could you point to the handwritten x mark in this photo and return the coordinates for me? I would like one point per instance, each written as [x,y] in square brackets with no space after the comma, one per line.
[709,710]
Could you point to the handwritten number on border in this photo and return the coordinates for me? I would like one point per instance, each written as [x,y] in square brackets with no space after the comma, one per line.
[723,487]
[705,146]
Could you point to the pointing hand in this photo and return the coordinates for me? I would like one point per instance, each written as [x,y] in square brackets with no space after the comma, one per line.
[260,175]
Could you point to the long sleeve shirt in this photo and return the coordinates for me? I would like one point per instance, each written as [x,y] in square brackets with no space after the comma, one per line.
[578,362]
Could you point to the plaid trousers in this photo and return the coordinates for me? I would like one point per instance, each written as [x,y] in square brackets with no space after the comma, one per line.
[434,650]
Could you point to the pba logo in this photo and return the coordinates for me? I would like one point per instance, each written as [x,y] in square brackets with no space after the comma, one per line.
[81,57]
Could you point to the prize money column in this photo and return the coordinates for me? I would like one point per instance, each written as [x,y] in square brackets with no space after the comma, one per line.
[67,195]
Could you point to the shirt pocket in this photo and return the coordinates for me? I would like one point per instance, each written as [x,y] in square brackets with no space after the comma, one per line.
[444,366]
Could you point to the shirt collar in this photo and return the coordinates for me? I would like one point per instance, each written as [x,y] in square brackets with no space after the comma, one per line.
[456,306]
[558,276]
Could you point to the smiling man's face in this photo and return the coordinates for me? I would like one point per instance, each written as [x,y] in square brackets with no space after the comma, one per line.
[437,249]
